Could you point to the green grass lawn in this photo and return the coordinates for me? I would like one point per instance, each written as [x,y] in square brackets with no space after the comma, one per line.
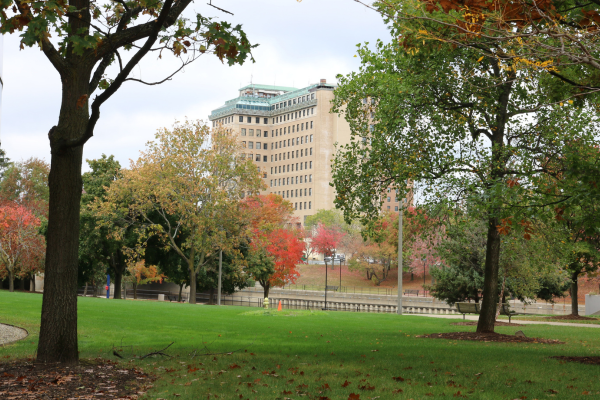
[298,355]
[546,318]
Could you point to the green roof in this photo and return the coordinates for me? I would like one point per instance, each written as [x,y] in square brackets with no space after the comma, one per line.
[269,87]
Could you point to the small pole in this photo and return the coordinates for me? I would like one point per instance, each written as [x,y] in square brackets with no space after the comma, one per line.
[340,275]
[220,272]
[108,286]
[399,311]
[325,284]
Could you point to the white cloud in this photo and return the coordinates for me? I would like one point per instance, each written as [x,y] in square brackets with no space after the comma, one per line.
[300,43]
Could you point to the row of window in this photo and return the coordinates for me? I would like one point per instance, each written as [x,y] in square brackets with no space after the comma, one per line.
[300,205]
[294,115]
[265,121]
[299,153]
[286,168]
[223,121]
[252,157]
[276,132]
[395,208]
[390,199]
[292,142]
[290,181]
[291,102]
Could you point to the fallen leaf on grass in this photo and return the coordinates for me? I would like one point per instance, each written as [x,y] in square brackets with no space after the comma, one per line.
[353,396]
[398,378]
[346,383]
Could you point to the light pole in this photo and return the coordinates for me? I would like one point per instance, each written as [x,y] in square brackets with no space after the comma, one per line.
[340,288]
[325,283]
[400,259]
[220,273]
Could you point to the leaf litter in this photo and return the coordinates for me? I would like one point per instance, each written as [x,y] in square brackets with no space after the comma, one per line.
[91,379]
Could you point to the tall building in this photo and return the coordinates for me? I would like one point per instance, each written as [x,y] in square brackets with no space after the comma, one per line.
[291,135]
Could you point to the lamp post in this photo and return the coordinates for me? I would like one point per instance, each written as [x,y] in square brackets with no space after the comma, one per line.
[220,273]
[399,312]
[325,283]
[340,288]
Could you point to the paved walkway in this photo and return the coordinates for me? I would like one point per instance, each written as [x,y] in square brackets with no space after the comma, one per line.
[9,333]
[523,322]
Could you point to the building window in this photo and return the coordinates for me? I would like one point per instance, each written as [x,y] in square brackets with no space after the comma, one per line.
[271,169]
[311,126]
[302,153]
[251,156]
[250,132]
[250,145]
[311,136]
[244,145]
[304,113]
[249,120]
[396,200]
[389,199]
[272,133]
[310,178]
[284,130]
[295,206]
[312,96]
[300,166]
[258,120]
[258,157]
[311,151]
[388,207]
[310,191]
[296,192]
[241,119]
[265,120]
[293,128]
[257,145]
[264,158]
[289,141]
[258,133]
[396,208]
[243,131]
[289,103]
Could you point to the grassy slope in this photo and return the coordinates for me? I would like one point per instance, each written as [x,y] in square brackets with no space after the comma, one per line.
[328,348]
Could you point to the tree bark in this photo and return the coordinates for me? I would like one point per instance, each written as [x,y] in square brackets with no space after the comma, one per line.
[85,290]
[487,316]
[266,288]
[11,281]
[32,285]
[58,329]
[574,294]
[180,290]
[192,285]
[118,283]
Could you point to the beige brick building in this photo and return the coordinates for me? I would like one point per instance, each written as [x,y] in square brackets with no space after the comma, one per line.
[291,136]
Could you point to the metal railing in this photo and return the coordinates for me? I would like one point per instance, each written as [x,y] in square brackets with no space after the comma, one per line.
[358,290]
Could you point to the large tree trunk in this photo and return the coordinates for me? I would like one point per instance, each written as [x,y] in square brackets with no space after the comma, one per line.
[58,329]
[192,285]
[85,290]
[266,286]
[11,281]
[32,284]
[574,299]
[118,283]
[180,290]
[487,317]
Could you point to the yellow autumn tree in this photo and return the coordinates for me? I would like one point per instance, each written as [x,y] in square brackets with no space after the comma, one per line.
[185,189]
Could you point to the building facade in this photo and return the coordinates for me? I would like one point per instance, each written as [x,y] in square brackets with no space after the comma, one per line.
[291,135]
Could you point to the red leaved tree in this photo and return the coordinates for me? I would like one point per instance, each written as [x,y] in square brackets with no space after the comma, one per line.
[22,247]
[276,245]
[326,240]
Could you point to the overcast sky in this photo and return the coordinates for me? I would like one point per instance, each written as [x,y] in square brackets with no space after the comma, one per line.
[300,43]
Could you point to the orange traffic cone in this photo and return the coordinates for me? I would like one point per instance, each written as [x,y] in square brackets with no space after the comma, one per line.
[279,306]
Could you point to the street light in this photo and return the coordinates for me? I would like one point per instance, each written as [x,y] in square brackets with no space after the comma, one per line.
[325,283]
